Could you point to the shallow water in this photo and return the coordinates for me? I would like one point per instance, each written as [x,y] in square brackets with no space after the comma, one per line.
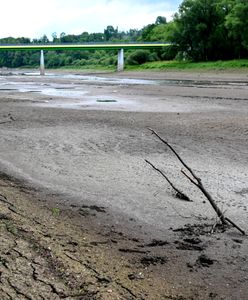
[87,78]
[130,81]
[74,91]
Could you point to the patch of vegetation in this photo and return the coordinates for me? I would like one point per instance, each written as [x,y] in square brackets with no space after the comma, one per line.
[55,211]
[188,65]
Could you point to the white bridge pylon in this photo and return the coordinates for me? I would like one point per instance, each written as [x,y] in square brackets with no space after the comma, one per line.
[42,63]
[120,62]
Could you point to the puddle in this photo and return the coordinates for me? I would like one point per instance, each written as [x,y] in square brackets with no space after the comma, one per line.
[64,93]
[90,78]
[119,104]
[106,101]
[92,102]
[7,90]
[57,90]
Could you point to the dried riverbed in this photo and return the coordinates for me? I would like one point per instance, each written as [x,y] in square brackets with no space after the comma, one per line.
[79,192]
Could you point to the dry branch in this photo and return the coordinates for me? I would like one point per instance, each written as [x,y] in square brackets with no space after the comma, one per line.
[197,182]
[235,225]
[179,194]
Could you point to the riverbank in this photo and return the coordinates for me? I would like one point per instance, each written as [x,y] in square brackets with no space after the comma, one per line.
[82,214]
[228,66]
[47,252]
[238,65]
[54,253]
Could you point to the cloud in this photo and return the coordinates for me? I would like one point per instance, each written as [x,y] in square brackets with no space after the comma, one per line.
[32,18]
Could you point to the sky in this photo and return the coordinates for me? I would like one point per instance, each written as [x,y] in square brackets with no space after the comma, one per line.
[33,19]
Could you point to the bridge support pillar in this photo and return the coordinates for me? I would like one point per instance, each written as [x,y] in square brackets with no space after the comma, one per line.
[120,64]
[42,63]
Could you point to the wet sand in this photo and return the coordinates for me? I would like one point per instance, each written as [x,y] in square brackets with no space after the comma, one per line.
[80,141]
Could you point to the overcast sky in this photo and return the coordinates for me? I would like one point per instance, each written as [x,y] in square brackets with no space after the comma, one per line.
[32,18]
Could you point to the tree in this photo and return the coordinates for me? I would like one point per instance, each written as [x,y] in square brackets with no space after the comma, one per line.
[146,33]
[84,37]
[162,32]
[44,39]
[198,23]
[160,20]
[237,24]
[212,29]
[55,37]
[110,32]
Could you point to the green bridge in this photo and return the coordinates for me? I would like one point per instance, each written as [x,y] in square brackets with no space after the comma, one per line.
[120,47]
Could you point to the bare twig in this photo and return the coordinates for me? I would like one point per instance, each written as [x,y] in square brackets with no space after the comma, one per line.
[189,178]
[5,200]
[199,184]
[177,155]
[179,194]
[235,225]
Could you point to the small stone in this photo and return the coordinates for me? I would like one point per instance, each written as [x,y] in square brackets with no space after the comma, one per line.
[138,276]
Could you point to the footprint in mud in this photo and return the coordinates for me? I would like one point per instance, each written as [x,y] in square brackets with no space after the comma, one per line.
[89,210]
[126,250]
[157,243]
[188,246]
[153,260]
[194,241]
[204,261]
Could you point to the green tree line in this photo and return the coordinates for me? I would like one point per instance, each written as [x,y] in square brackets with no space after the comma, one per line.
[201,30]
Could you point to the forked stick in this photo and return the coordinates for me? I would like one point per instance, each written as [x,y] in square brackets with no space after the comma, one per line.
[199,184]
[179,194]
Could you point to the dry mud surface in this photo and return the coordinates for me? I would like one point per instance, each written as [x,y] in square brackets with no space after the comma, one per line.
[82,216]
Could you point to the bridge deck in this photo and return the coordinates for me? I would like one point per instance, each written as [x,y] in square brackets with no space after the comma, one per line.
[52,47]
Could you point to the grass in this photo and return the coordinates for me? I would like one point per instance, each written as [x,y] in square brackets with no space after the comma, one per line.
[88,68]
[55,211]
[231,65]
[173,65]
[239,64]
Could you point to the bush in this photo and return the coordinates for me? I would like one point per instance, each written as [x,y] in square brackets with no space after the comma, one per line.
[139,57]
[169,52]
[79,62]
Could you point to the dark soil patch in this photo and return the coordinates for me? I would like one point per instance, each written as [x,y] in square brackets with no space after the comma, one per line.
[204,261]
[199,229]
[157,243]
[188,246]
[153,260]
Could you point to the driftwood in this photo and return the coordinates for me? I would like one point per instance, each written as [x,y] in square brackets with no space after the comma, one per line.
[179,194]
[198,183]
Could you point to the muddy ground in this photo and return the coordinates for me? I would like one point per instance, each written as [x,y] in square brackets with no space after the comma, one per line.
[84,217]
